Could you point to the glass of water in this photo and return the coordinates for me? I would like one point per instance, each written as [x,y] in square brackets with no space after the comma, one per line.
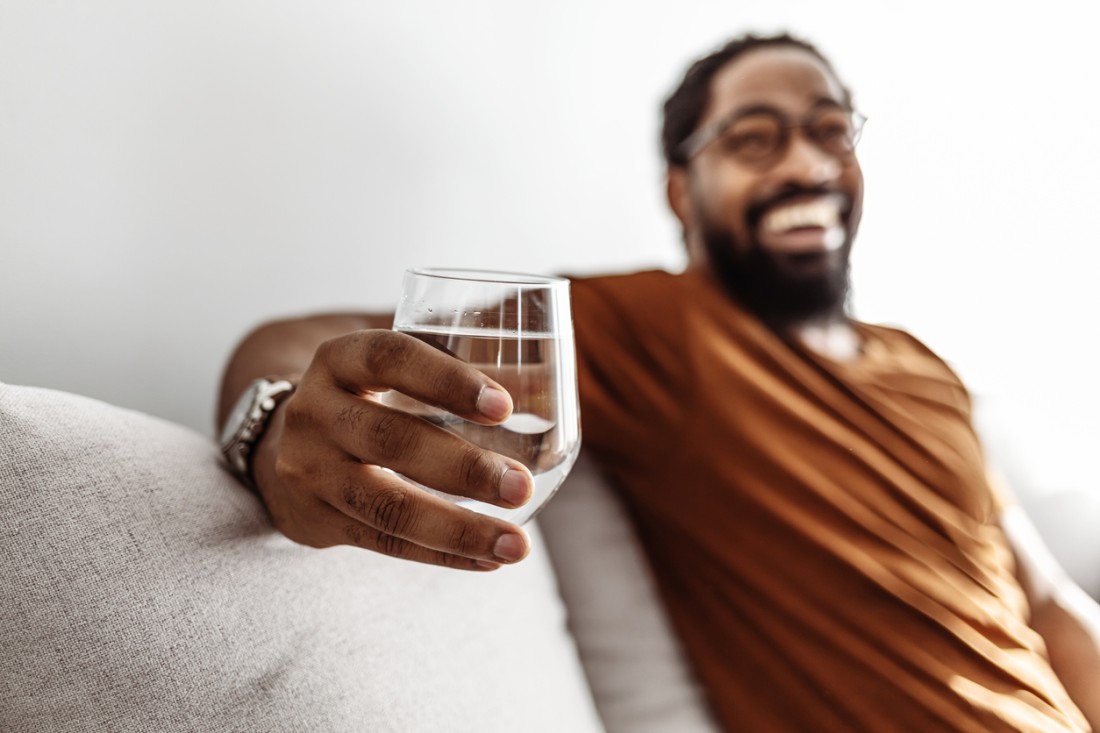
[518,330]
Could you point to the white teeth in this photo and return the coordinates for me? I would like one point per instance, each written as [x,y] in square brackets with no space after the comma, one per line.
[823,212]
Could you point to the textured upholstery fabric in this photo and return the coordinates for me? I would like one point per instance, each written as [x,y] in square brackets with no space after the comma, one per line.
[142,589]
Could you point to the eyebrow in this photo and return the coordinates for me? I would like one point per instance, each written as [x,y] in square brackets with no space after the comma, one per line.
[819,103]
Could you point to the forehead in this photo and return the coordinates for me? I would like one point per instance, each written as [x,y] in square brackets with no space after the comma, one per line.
[788,78]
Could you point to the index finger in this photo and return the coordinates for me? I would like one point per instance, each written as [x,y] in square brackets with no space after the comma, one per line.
[378,360]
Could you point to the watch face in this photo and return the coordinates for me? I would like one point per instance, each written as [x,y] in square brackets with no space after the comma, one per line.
[238,415]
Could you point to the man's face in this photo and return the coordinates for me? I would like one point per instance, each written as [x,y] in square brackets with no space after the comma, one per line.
[776,230]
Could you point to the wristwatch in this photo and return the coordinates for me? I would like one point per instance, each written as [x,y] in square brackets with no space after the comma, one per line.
[246,424]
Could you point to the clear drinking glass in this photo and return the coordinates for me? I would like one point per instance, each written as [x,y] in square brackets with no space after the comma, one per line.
[518,330]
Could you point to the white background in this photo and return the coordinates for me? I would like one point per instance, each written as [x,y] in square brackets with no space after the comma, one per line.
[173,172]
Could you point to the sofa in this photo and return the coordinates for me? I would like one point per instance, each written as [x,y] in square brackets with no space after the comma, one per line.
[144,589]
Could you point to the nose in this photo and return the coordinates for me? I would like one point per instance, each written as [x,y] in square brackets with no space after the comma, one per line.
[805,163]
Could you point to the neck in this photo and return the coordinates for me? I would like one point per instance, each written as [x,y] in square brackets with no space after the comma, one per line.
[833,337]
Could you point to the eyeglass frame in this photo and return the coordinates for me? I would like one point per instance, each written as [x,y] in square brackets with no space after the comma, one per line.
[703,137]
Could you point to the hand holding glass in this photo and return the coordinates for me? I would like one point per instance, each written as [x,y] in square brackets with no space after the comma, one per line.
[517,330]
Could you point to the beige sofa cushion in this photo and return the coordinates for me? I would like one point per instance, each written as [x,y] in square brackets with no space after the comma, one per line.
[142,589]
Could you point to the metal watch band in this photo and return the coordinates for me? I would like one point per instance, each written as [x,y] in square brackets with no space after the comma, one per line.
[247,423]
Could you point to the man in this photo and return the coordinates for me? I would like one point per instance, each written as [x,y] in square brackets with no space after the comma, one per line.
[809,489]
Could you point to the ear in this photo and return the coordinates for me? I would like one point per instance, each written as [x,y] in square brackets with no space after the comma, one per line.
[677,188]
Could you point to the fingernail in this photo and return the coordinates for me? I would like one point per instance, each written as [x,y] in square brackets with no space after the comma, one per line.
[486,565]
[514,487]
[494,403]
[510,547]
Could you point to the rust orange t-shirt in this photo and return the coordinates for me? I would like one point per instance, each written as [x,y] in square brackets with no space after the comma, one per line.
[822,533]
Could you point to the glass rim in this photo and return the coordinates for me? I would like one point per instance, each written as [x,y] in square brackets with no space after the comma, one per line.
[496,277]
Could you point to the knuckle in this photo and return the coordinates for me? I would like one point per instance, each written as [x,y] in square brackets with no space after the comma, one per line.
[387,544]
[326,351]
[448,560]
[288,473]
[300,425]
[453,385]
[356,534]
[391,436]
[354,495]
[386,351]
[392,511]
[478,470]
[464,540]
[302,410]
[351,417]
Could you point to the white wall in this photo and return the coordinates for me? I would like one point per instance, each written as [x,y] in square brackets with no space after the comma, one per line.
[154,156]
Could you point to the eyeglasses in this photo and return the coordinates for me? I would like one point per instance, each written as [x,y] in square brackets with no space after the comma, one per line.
[760,135]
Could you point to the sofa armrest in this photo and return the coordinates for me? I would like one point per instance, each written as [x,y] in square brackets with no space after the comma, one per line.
[142,588]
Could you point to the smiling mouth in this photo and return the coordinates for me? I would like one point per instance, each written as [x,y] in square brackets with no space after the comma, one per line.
[806,225]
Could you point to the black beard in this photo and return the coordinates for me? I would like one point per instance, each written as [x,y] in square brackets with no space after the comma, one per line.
[781,290]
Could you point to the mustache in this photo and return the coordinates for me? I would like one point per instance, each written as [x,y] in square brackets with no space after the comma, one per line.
[790,192]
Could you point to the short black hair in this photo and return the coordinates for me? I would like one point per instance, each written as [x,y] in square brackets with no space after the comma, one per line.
[684,107]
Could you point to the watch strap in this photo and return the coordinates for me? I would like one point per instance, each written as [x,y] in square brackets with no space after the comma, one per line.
[259,402]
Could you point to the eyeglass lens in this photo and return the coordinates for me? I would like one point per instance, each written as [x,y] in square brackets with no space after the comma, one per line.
[762,135]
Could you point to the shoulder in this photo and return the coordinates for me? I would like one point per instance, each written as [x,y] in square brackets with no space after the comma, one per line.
[632,288]
[647,302]
[898,341]
[897,348]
